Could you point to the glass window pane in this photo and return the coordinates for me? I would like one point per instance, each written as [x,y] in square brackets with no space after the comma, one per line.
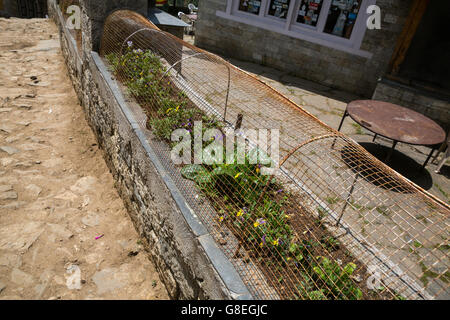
[250,6]
[309,11]
[279,8]
[341,17]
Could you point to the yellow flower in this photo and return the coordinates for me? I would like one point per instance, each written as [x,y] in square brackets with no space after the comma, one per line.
[176,110]
[237,176]
[220,219]
[240,213]
[257,170]
[289,258]
[286,216]
[275,242]
[261,244]
[256,224]
[168,110]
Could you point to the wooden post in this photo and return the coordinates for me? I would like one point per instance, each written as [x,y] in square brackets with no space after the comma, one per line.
[418,9]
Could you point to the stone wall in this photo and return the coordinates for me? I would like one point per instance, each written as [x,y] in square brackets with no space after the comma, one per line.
[305,59]
[432,106]
[189,262]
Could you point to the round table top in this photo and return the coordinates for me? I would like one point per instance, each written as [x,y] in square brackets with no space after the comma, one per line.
[396,122]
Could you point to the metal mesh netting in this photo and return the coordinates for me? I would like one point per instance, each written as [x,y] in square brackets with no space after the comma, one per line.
[332,222]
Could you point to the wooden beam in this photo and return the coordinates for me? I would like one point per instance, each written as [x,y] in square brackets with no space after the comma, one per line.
[416,13]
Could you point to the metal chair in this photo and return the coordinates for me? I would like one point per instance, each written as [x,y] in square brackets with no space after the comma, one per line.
[447,154]
[192,8]
[186,19]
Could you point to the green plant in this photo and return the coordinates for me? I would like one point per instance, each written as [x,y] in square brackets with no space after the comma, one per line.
[254,205]
[337,280]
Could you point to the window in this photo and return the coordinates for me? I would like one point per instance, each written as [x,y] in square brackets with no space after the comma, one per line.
[339,24]
[279,8]
[250,6]
[309,12]
[342,17]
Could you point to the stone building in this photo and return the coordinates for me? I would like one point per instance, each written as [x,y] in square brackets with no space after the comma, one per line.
[328,41]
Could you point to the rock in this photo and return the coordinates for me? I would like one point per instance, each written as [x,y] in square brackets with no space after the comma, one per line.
[19,237]
[9,150]
[33,191]
[6,129]
[357,278]
[24,106]
[4,188]
[105,280]
[6,161]
[9,195]
[73,277]
[10,260]
[13,205]
[60,231]
[68,196]
[21,278]
[90,220]
[2,286]
[5,110]
[83,184]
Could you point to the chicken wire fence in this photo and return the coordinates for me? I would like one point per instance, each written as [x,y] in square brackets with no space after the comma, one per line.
[331,222]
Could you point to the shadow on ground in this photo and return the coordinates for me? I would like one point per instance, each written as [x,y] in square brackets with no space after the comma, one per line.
[403,164]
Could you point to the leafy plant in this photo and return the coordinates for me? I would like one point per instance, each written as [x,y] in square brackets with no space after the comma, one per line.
[337,280]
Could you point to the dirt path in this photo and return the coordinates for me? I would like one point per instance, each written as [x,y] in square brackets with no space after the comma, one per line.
[56,193]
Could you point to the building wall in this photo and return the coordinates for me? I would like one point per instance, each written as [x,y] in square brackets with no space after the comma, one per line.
[308,60]
[10,7]
[435,107]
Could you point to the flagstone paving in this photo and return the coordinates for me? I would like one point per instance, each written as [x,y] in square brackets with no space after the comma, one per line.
[64,231]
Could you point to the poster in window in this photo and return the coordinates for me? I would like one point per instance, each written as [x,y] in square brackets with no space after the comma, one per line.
[279,8]
[342,17]
[309,12]
[250,6]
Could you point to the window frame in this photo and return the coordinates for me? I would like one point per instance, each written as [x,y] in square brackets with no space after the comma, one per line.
[292,28]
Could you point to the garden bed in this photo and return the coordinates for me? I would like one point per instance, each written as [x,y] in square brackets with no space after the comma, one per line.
[298,256]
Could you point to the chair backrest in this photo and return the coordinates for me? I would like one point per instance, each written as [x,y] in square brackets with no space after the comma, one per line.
[184,18]
[192,7]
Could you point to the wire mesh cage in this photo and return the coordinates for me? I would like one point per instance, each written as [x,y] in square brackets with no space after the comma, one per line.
[330,222]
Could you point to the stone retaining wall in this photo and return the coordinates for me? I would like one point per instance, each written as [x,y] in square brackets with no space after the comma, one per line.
[188,260]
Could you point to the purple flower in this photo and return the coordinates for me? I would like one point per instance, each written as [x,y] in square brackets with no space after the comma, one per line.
[279,191]
[130,43]
[263,239]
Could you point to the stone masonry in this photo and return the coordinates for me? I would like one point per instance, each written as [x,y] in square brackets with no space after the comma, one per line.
[179,246]
[310,61]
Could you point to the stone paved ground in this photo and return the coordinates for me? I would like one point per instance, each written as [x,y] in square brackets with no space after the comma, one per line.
[329,105]
[56,193]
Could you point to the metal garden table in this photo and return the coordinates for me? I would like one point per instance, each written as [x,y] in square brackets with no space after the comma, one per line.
[396,123]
